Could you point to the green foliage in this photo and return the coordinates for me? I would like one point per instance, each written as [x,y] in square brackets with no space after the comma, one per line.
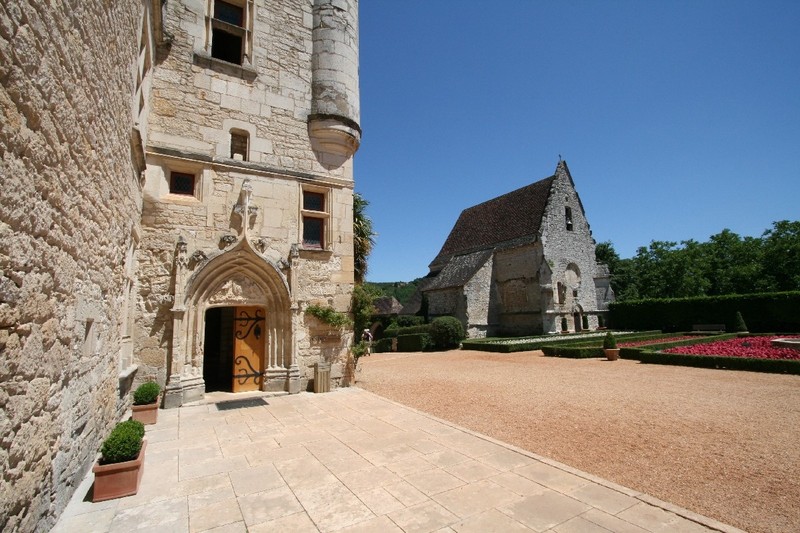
[415,342]
[383,345]
[767,312]
[123,443]
[406,321]
[329,315]
[146,393]
[362,307]
[572,352]
[447,332]
[395,330]
[775,366]
[359,349]
[363,237]
[781,249]
[609,342]
[400,290]
[725,264]
[739,324]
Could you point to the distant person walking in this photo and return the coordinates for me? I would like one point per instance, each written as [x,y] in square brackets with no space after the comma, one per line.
[367,338]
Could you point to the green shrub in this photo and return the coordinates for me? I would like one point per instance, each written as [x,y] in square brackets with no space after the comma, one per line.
[396,331]
[405,321]
[775,366]
[383,345]
[447,332]
[739,325]
[766,312]
[573,352]
[123,443]
[146,393]
[359,349]
[414,342]
[609,342]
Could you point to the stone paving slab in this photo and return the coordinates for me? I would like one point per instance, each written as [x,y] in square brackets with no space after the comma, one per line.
[351,461]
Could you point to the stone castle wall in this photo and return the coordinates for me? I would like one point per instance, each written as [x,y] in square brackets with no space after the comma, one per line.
[67,212]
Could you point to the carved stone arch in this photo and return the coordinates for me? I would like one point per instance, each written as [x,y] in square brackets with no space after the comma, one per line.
[238,277]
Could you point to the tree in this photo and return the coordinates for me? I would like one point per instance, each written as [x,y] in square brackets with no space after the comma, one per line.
[363,237]
[781,261]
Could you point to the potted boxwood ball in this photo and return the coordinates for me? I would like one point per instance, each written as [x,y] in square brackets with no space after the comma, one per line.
[610,347]
[145,403]
[119,470]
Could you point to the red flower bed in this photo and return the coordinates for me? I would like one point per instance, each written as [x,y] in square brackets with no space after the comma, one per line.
[752,347]
[645,342]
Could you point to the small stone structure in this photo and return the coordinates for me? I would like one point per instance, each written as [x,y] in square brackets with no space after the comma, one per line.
[168,168]
[520,264]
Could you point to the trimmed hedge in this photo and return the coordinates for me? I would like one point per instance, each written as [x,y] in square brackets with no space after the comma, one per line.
[414,342]
[447,332]
[146,393]
[396,331]
[573,352]
[489,344]
[123,443]
[776,366]
[383,345]
[763,312]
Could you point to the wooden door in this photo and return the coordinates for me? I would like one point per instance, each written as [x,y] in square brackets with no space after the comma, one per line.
[248,349]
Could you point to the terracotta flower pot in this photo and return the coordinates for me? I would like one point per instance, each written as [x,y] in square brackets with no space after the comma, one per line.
[118,479]
[612,354]
[146,414]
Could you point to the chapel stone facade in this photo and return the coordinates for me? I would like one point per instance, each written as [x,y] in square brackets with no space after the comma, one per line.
[521,264]
[177,191]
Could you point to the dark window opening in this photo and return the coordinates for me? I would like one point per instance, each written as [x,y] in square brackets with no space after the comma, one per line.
[313,201]
[239,145]
[181,183]
[226,46]
[568,216]
[312,232]
[228,13]
[574,293]
[227,35]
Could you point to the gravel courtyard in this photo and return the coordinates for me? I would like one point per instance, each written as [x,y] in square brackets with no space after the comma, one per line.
[724,444]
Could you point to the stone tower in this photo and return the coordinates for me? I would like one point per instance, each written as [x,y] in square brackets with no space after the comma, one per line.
[247,215]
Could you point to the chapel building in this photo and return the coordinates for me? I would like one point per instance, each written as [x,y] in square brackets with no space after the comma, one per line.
[521,264]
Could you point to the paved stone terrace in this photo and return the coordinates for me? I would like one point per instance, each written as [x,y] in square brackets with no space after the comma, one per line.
[351,461]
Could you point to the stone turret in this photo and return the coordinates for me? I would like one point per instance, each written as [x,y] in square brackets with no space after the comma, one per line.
[333,124]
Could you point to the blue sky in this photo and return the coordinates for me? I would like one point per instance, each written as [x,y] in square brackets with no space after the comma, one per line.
[677,118]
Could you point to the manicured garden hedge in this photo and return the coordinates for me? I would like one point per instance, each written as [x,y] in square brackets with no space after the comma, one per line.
[777,366]
[574,352]
[415,342]
[383,345]
[762,312]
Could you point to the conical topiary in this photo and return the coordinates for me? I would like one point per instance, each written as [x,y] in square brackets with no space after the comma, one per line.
[740,326]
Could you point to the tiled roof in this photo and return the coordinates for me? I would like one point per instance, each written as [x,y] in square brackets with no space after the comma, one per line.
[509,217]
[387,305]
[459,270]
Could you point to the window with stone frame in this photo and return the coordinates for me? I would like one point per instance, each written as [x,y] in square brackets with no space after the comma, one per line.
[230,30]
[240,141]
[568,217]
[315,219]
[182,183]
